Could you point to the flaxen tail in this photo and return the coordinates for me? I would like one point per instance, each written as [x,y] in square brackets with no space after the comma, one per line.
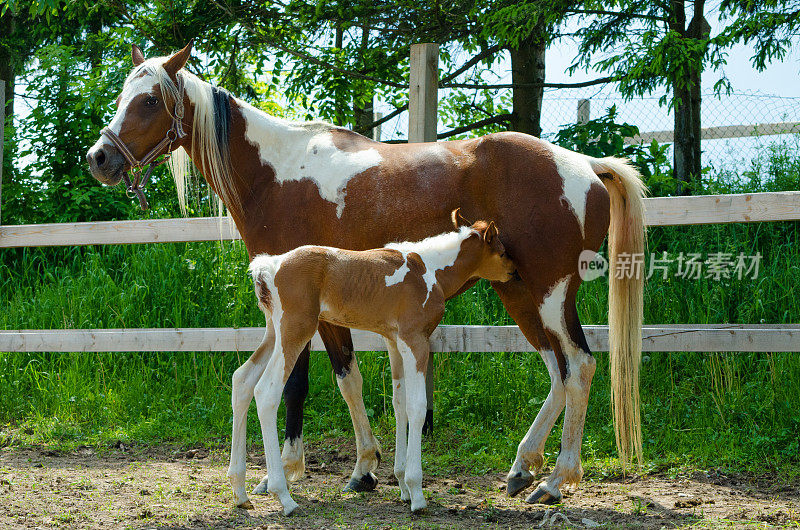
[626,238]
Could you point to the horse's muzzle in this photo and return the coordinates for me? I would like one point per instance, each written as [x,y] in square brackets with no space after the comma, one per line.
[106,163]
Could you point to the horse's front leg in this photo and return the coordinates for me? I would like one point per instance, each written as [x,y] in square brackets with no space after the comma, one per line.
[414,352]
[339,344]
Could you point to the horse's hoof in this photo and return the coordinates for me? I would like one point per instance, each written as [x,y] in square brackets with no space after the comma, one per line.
[427,426]
[246,505]
[518,482]
[542,496]
[261,487]
[366,483]
[290,508]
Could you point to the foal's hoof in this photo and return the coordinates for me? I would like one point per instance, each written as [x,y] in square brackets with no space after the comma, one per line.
[542,496]
[367,482]
[261,487]
[518,482]
[246,505]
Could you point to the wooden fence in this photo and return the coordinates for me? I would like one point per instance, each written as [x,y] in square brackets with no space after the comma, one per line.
[756,207]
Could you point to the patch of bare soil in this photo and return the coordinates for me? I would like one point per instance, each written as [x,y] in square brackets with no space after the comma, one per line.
[165,487]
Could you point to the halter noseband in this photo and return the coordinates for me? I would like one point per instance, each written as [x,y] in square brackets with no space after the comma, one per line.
[140,175]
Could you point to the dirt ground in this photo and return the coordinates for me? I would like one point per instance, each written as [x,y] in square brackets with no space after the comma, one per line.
[128,487]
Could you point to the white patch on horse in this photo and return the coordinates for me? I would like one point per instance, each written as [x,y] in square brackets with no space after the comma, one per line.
[437,253]
[143,84]
[576,172]
[400,274]
[297,151]
[551,310]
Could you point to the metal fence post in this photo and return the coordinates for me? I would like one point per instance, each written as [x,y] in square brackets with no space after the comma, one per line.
[422,125]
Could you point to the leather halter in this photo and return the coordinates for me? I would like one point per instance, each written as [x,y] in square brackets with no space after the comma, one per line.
[137,167]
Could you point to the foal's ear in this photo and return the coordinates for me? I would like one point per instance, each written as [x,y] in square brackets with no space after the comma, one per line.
[491,233]
[178,60]
[454,215]
[136,55]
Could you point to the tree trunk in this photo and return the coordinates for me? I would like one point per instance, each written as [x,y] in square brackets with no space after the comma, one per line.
[364,104]
[687,99]
[687,146]
[528,67]
[8,62]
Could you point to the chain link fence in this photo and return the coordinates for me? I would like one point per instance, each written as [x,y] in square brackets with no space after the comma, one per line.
[736,126]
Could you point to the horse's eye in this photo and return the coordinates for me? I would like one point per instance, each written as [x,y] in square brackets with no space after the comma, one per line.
[151,101]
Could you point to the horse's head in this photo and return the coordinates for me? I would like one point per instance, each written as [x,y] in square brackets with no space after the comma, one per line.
[145,125]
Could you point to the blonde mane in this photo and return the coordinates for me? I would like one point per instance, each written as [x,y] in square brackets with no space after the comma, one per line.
[206,149]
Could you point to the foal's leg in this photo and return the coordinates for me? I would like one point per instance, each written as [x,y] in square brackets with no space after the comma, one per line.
[244,381]
[294,395]
[291,335]
[339,344]
[530,454]
[560,318]
[414,351]
[400,417]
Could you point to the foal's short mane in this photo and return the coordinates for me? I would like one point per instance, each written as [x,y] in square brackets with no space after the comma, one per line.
[210,131]
[445,242]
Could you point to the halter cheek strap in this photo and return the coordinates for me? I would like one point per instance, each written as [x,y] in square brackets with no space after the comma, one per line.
[164,147]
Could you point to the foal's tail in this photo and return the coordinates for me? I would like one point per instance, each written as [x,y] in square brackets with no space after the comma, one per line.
[625,236]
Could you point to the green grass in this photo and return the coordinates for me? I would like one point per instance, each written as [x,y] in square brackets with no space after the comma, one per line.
[732,410]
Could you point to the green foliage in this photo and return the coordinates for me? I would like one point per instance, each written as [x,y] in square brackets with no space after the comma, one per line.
[732,410]
[603,136]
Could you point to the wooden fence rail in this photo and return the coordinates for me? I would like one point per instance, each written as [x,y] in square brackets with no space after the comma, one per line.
[661,338]
[660,211]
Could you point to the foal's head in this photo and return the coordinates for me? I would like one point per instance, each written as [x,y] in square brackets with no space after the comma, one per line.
[144,115]
[492,262]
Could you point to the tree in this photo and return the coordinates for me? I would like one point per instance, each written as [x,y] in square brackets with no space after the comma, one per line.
[647,45]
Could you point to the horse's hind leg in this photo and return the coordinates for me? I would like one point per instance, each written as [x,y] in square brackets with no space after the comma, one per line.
[530,453]
[339,344]
[292,333]
[243,382]
[560,319]
[294,396]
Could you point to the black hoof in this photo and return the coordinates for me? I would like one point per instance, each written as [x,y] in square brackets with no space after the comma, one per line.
[542,496]
[518,483]
[366,483]
[427,427]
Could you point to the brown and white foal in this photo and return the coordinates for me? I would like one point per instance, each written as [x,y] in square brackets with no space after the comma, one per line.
[399,292]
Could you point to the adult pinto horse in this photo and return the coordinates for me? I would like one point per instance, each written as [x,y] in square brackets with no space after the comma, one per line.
[287,184]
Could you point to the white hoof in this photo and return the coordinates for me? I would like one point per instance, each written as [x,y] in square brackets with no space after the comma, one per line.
[418,505]
[261,487]
[289,507]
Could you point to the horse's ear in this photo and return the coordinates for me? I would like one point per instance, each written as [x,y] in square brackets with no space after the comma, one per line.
[136,55]
[491,233]
[458,219]
[454,215]
[178,60]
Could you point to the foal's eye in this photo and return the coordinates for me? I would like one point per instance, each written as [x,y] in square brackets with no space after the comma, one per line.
[151,101]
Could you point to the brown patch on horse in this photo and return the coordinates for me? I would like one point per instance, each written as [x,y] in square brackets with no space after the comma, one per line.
[263,294]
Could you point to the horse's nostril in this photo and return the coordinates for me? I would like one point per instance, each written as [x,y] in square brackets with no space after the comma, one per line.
[100,158]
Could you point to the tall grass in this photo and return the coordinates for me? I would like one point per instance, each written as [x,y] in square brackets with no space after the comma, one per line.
[721,409]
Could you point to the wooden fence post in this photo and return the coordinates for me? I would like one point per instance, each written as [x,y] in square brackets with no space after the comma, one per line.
[584,110]
[422,96]
[422,125]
